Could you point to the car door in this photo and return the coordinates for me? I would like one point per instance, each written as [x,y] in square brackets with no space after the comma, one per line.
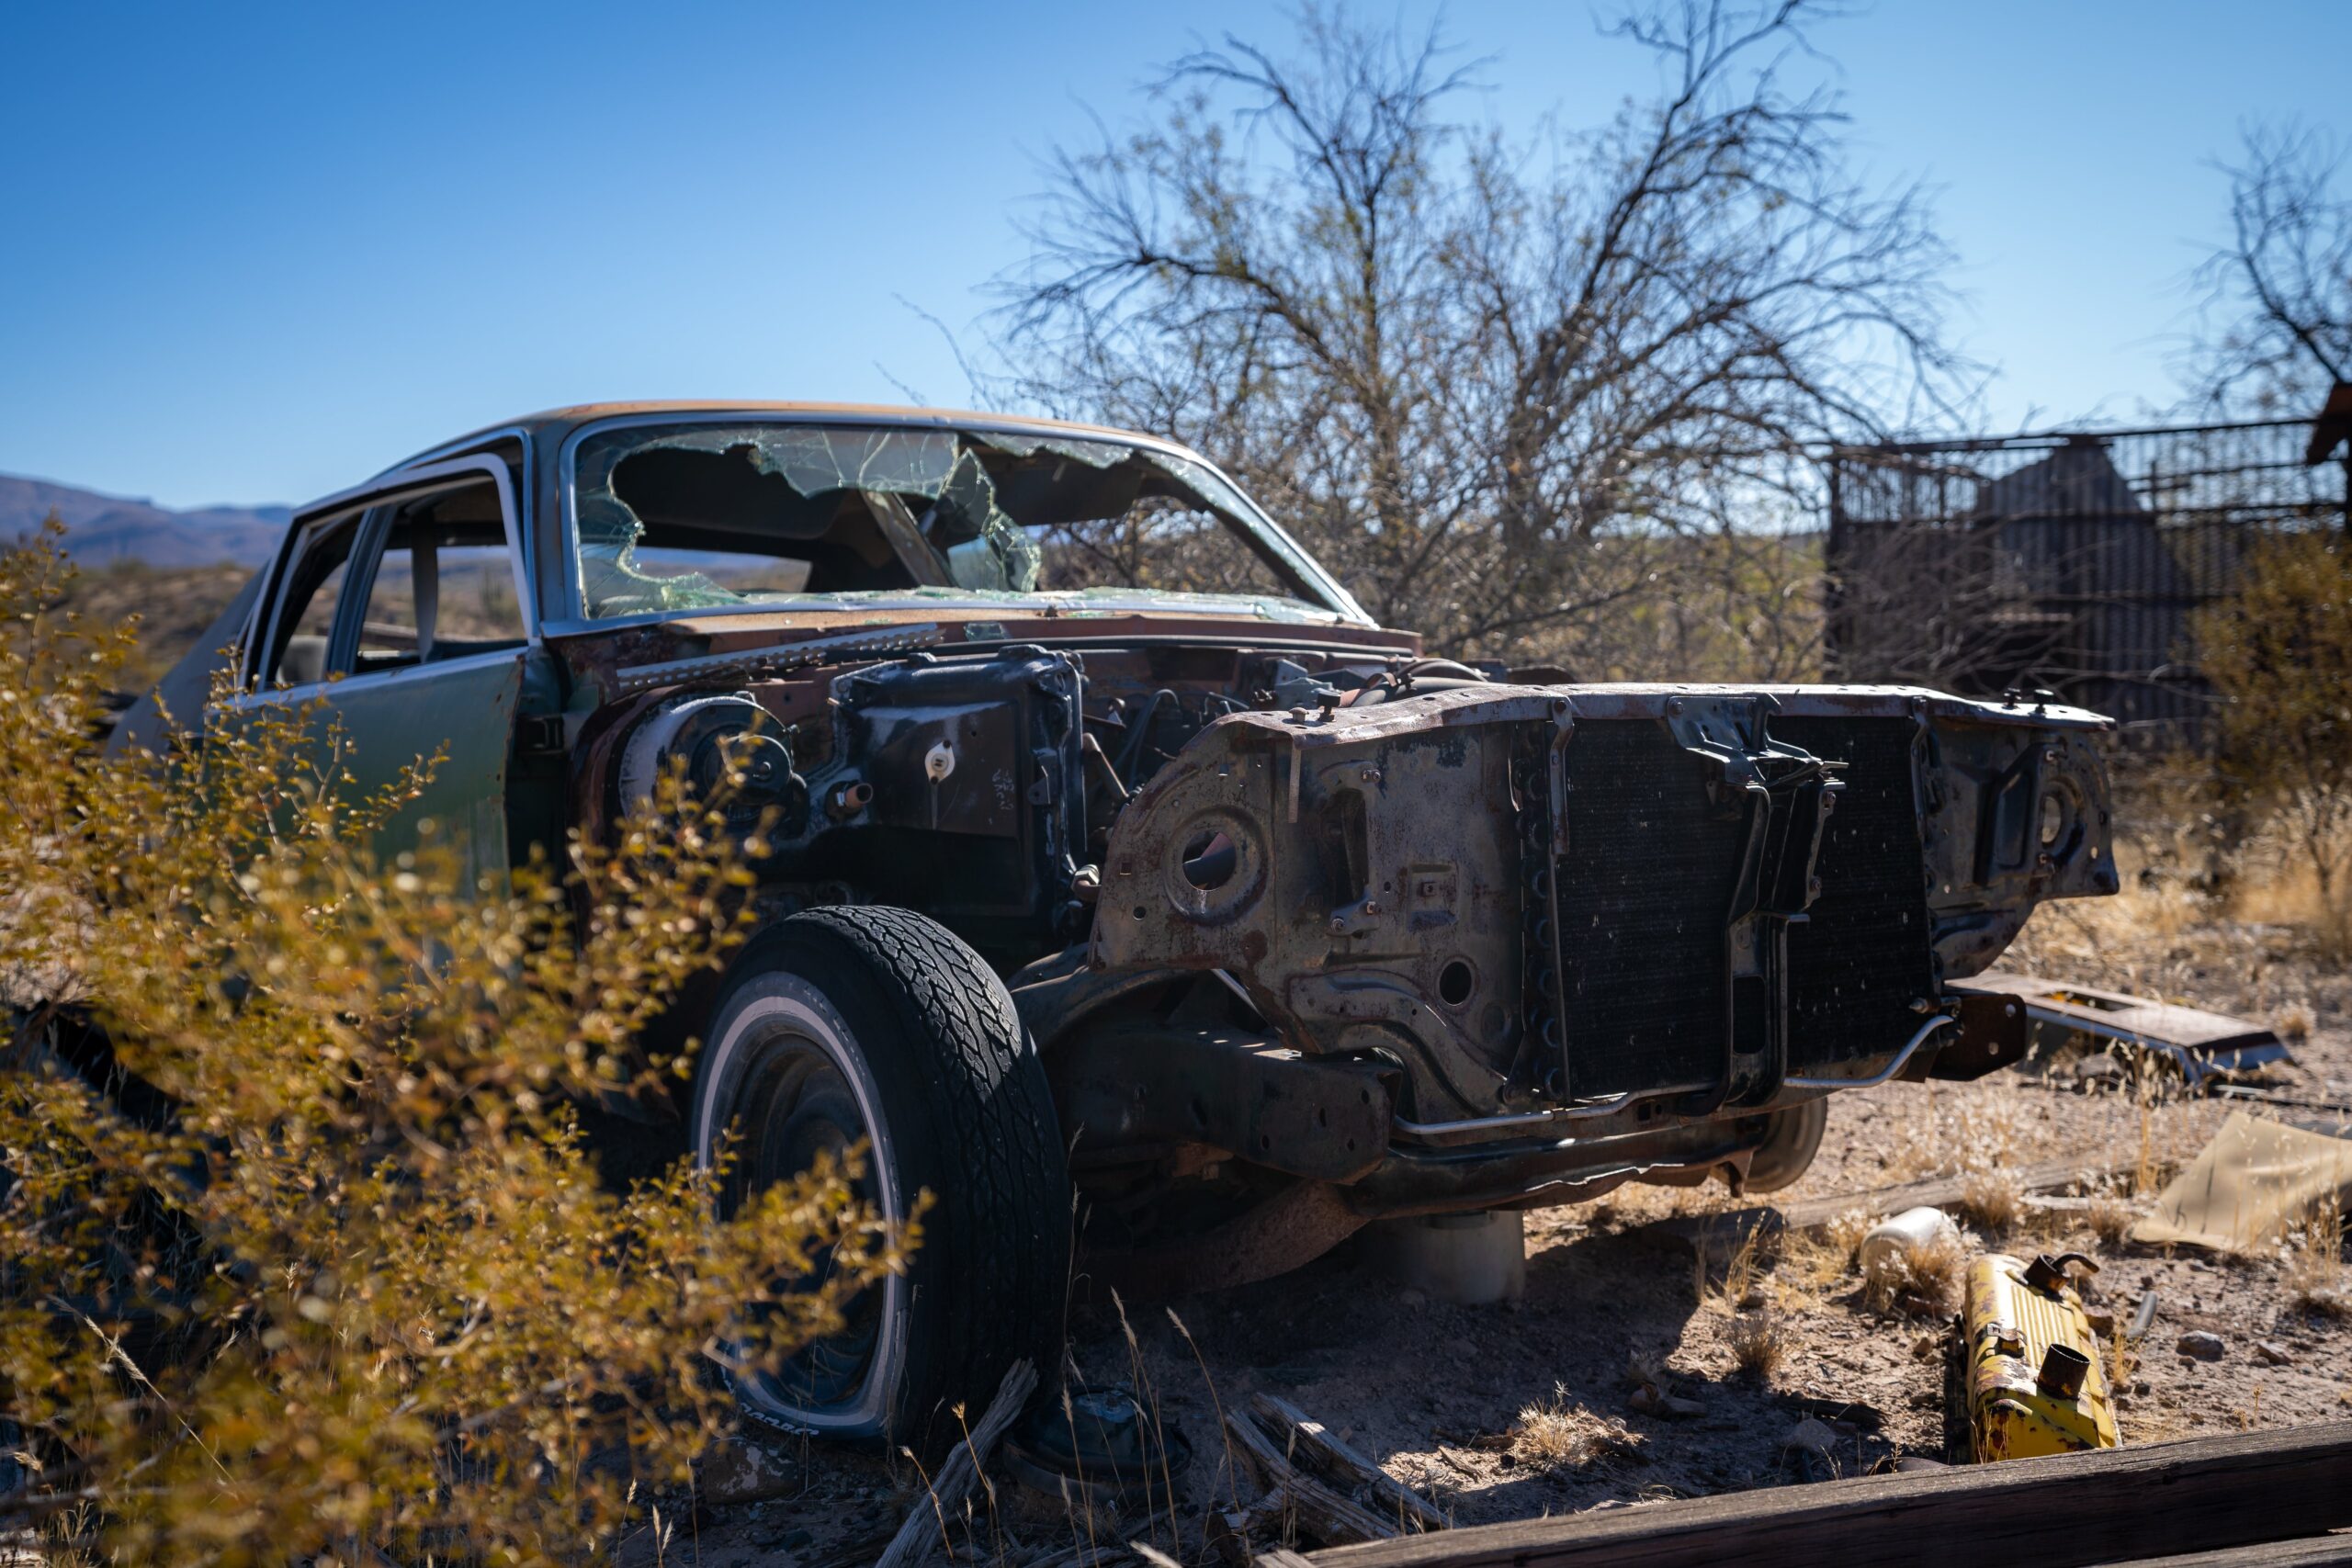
[401,615]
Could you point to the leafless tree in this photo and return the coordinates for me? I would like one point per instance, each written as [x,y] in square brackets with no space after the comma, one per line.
[2277,324]
[1536,399]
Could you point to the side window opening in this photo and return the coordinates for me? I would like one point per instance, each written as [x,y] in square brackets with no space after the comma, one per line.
[314,592]
[442,586]
[396,586]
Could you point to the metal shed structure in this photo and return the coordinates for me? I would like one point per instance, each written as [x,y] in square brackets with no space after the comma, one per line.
[2068,562]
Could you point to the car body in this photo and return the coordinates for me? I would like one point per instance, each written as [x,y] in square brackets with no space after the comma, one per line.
[1303,926]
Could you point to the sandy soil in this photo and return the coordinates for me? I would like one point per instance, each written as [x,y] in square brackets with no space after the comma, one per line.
[1436,1392]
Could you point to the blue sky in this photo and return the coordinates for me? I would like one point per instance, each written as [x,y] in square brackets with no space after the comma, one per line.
[256,253]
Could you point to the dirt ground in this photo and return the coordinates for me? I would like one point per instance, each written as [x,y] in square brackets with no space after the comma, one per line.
[1439,1394]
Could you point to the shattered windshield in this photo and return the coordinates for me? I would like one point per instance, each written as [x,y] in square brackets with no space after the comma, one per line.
[712,517]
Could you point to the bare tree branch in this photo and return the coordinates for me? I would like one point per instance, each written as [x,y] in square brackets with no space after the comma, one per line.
[1527,398]
[2277,298]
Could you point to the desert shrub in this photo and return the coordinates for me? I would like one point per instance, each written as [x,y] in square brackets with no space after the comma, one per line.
[2276,651]
[331,1276]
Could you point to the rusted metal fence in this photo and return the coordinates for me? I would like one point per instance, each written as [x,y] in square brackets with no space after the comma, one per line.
[2068,562]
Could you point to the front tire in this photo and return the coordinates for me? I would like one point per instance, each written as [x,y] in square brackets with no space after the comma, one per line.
[854,1024]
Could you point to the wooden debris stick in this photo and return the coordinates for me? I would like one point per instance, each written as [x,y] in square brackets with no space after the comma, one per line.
[2239,1490]
[921,1533]
[1309,1440]
[1321,1511]
[1227,1532]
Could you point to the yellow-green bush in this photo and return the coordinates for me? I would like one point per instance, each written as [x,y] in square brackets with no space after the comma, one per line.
[356,1292]
[2279,652]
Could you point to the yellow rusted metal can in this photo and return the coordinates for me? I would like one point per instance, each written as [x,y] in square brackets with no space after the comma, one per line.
[2031,1374]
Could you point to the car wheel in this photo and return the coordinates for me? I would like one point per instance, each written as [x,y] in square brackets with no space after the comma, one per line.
[864,1024]
[1789,1142]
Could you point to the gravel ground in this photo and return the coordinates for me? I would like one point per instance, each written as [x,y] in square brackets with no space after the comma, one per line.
[1440,1393]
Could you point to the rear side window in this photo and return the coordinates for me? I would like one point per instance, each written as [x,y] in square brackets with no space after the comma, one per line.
[321,570]
[399,584]
[442,586]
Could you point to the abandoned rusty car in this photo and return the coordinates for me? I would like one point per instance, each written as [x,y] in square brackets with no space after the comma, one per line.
[1118,850]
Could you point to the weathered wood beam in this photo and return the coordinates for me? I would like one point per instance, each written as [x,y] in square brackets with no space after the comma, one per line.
[1314,1445]
[2071,1511]
[1321,1511]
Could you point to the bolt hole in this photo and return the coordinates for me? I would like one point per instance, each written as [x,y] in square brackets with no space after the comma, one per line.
[1456,982]
[1210,860]
[1265,1141]
[1200,1114]
[1141,911]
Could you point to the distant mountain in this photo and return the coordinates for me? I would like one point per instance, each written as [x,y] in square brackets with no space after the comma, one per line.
[106,530]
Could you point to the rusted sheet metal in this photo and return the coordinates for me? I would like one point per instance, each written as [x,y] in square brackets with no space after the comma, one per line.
[1316,731]
[1387,921]
[1150,1082]
[1648,699]
[744,662]
[1527,1172]
[1363,873]
[2200,1043]
[1992,1032]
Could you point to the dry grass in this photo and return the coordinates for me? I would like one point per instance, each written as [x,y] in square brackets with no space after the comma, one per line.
[1993,1199]
[1812,1261]
[2110,1217]
[2295,1023]
[1560,1434]
[1844,1232]
[2275,889]
[1921,1275]
[2314,1272]
[2122,1361]
[1759,1343]
[2163,935]
[1740,1274]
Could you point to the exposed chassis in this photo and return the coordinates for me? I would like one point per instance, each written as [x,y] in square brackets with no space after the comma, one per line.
[1390,889]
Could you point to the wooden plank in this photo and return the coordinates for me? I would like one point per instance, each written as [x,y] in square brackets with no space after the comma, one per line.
[2307,1554]
[1335,1462]
[2068,1512]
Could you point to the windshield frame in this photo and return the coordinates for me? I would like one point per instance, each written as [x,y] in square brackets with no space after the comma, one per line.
[1260,532]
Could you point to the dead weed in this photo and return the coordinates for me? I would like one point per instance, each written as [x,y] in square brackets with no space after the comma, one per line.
[1759,1342]
[1559,1434]
[1921,1277]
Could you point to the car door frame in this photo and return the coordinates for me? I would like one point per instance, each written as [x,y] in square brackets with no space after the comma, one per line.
[475,771]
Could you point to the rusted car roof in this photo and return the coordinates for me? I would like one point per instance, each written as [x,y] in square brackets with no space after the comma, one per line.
[563,419]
